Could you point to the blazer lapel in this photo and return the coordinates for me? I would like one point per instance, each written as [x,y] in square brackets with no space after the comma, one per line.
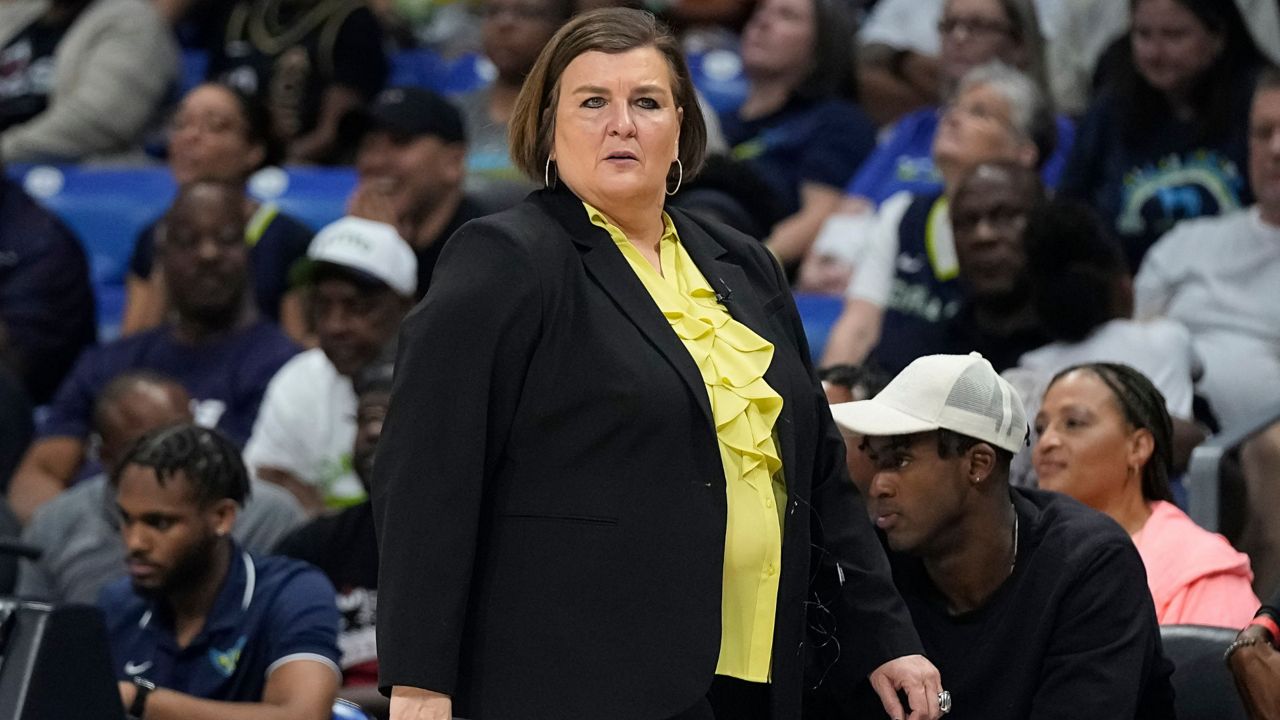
[740,298]
[605,263]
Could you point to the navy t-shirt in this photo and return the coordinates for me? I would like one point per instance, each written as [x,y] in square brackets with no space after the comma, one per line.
[226,377]
[276,243]
[46,302]
[269,611]
[816,141]
[1145,187]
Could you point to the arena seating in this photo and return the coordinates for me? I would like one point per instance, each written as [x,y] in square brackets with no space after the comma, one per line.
[108,207]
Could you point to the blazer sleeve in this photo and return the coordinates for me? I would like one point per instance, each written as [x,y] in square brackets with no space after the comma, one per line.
[461,361]
[872,623]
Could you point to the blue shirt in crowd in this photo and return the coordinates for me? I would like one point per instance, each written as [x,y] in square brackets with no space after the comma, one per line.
[270,611]
[225,376]
[816,141]
[904,160]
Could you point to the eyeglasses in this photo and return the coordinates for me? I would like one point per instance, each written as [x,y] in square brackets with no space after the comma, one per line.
[974,26]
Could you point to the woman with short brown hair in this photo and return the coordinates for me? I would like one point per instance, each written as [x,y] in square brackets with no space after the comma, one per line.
[607,464]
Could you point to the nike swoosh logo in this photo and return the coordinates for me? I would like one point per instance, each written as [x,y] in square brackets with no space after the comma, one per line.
[131,668]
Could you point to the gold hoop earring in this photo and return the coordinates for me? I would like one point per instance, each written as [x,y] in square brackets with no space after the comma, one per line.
[546,174]
[679,179]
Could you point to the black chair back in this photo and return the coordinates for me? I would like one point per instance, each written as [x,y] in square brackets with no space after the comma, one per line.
[55,663]
[1202,684]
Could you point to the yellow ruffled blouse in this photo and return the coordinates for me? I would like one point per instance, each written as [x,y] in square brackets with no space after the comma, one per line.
[733,360]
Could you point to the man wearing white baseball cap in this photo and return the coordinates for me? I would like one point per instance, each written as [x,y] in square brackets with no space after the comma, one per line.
[362,277]
[1029,603]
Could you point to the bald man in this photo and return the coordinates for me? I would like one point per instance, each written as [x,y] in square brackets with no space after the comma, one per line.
[79,530]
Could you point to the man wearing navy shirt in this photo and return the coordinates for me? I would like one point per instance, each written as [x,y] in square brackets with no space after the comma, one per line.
[216,346]
[200,628]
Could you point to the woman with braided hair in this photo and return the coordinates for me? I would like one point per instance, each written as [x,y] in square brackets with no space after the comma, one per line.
[1105,438]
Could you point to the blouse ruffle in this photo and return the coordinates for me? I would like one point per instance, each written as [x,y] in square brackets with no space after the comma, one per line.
[732,360]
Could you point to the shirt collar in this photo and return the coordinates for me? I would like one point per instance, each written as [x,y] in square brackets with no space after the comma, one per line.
[233,601]
[600,220]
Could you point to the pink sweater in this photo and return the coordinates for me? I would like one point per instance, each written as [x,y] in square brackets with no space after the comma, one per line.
[1196,577]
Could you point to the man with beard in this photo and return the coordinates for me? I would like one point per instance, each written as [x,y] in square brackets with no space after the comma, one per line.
[201,628]
[345,547]
[215,345]
[362,281]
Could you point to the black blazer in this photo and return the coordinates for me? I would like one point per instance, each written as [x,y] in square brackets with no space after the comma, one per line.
[549,495]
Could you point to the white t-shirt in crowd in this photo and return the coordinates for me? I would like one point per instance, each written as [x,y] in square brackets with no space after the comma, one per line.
[1220,277]
[306,427]
[1160,348]
[878,257]
[867,245]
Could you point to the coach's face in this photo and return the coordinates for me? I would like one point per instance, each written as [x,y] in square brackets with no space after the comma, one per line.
[617,130]
[170,538]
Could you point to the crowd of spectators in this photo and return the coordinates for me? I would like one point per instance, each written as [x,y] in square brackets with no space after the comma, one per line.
[1087,192]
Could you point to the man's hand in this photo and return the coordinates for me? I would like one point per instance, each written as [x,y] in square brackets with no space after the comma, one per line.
[372,202]
[1256,669]
[824,275]
[128,691]
[410,703]
[915,676]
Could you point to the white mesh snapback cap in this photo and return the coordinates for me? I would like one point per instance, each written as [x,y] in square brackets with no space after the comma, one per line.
[370,247]
[960,393]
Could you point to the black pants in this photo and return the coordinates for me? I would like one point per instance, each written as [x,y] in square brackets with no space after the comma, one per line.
[730,699]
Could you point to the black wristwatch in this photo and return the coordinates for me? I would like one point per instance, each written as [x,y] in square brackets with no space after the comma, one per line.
[143,689]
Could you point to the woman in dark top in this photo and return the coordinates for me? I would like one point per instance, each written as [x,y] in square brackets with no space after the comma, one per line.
[219,133]
[797,128]
[1168,139]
